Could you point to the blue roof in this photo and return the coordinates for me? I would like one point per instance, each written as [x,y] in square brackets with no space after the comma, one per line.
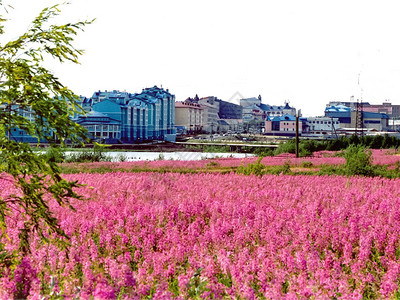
[337,108]
[367,114]
[284,118]
[266,107]
[148,95]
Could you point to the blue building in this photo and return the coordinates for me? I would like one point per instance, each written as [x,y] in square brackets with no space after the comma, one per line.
[115,117]
[351,118]
[341,112]
[101,127]
[149,115]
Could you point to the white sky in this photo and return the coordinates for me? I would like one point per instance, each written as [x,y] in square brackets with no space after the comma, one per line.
[309,52]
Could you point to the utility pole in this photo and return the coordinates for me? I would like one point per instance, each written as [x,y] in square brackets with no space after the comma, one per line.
[359,117]
[297,135]
[333,128]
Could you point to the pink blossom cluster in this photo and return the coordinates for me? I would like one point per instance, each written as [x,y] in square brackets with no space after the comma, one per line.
[214,236]
[385,156]
[176,164]
[380,157]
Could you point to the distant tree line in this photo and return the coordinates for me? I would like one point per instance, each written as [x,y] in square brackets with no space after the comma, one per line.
[308,147]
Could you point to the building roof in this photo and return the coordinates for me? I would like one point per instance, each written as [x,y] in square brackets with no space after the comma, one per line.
[337,108]
[367,114]
[147,96]
[95,117]
[285,118]
[157,92]
[184,104]
[253,107]
[267,107]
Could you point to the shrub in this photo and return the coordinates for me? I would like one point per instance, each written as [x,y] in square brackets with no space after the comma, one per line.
[358,161]
[287,147]
[306,147]
[95,155]
[122,157]
[330,170]
[283,169]
[263,152]
[252,169]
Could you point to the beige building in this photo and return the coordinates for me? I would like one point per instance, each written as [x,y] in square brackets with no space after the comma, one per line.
[189,115]
[210,108]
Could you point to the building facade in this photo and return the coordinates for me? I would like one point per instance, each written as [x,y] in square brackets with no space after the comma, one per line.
[101,127]
[320,125]
[189,116]
[393,111]
[149,115]
[370,120]
[352,119]
[281,125]
[210,112]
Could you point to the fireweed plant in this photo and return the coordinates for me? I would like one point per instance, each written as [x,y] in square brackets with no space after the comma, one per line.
[152,235]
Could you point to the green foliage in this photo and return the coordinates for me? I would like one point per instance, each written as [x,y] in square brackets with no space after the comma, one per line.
[358,161]
[225,279]
[7,259]
[278,170]
[54,154]
[252,169]
[122,157]
[197,285]
[287,147]
[262,151]
[88,155]
[306,164]
[212,164]
[306,147]
[173,285]
[330,170]
[373,142]
[33,100]
[285,287]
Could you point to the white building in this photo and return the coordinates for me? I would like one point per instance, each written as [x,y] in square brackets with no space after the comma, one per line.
[321,125]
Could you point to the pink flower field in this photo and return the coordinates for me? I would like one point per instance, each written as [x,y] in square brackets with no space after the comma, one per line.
[380,157]
[143,235]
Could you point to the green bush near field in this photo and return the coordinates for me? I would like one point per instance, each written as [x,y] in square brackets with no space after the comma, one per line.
[358,161]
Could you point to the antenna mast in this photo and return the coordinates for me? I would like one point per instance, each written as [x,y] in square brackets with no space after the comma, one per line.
[359,112]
